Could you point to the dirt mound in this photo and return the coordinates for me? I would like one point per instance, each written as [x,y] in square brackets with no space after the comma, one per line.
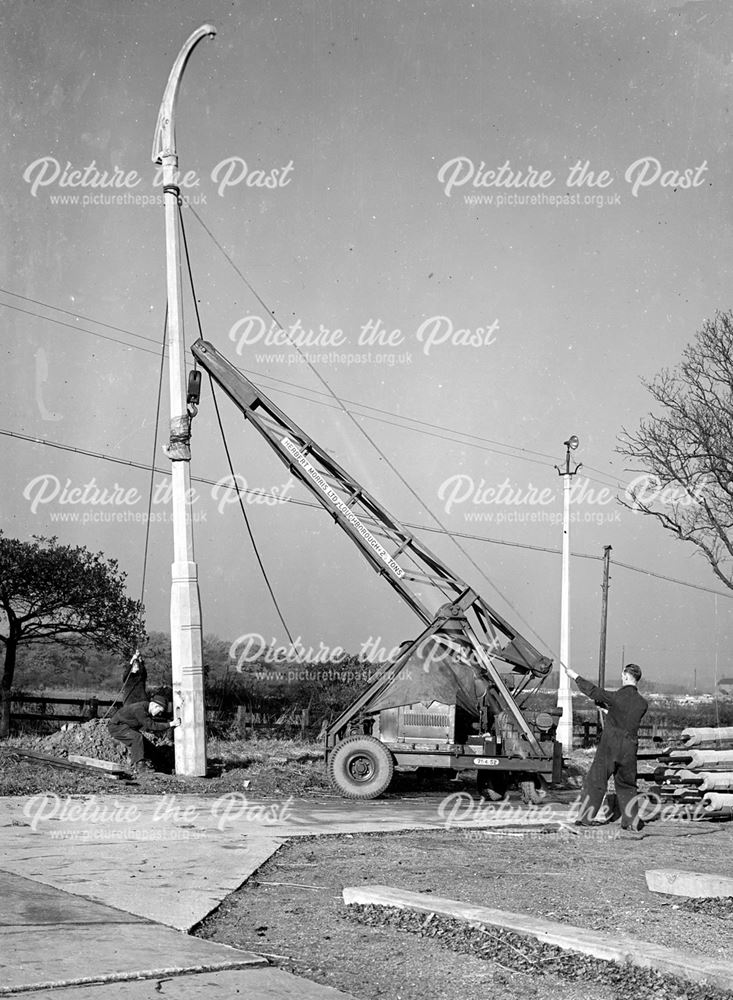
[92,739]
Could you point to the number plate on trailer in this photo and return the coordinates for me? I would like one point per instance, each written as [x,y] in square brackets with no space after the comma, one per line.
[486,761]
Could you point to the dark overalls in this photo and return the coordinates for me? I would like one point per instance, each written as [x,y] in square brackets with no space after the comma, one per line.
[127,726]
[616,753]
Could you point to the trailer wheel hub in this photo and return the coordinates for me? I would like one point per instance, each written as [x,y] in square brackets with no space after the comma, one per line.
[361,768]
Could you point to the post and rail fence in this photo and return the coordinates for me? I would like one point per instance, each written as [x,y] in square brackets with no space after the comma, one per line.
[586,732]
[44,708]
[89,708]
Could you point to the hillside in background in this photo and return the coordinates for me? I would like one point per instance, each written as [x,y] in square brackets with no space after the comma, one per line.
[82,666]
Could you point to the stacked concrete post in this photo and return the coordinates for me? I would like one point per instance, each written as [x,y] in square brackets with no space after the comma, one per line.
[698,772]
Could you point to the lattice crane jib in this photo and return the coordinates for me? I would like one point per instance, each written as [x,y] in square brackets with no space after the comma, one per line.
[429,587]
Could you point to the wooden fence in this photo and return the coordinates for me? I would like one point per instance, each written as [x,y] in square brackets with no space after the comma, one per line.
[249,722]
[88,708]
[586,732]
[45,710]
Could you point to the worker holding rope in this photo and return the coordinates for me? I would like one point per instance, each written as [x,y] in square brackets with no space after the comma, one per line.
[134,679]
[617,750]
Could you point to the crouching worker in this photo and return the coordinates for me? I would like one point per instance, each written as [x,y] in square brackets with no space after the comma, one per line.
[128,723]
[617,750]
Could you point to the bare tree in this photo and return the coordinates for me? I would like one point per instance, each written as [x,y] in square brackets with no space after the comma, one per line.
[58,592]
[685,450]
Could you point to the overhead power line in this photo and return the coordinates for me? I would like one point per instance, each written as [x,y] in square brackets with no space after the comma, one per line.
[78,315]
[147,468]
[79,329]
[294,501]
[500,447]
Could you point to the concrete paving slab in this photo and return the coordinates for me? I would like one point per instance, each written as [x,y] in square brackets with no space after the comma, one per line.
[61,940]
[52,956]
[254,984]
[25,902]
[176,884]
[173,859]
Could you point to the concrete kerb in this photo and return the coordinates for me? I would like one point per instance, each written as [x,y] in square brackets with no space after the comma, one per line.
[254,983]
[702,969]
[138,975]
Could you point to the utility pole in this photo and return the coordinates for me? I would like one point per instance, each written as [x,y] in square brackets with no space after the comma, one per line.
[604,617]
[185,617]
[564,696]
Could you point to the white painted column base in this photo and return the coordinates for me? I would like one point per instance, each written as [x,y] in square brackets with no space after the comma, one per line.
[188,671]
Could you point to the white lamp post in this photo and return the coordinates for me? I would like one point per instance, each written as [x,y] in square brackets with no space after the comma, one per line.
[186,643]
[564,696]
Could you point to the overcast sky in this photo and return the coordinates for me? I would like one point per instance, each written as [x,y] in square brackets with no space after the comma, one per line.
[374,128]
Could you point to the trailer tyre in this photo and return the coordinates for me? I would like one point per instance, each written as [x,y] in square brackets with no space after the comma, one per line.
[360,767]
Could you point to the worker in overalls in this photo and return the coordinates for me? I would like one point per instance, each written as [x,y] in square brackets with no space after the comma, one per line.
[617,750]
[128,724]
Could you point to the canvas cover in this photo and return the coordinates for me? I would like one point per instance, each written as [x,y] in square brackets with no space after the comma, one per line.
[435,671]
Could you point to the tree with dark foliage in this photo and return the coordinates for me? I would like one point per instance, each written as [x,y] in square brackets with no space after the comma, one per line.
[51,592]
[686,450]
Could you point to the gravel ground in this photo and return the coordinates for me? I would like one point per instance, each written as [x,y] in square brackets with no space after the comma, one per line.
[293,907]
[263,767]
